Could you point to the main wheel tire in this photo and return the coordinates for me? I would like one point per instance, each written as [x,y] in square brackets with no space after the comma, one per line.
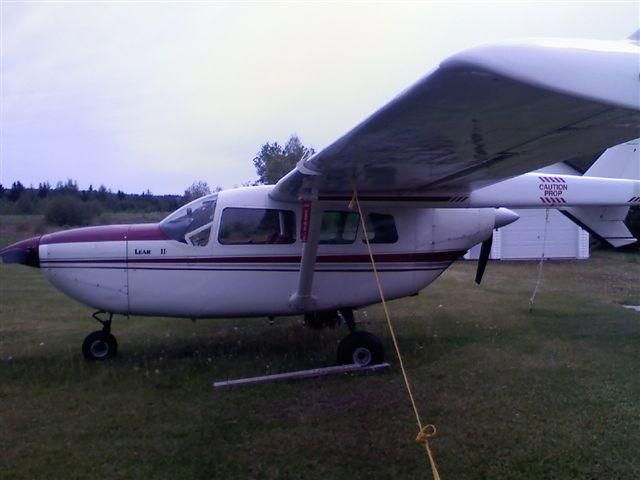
[99,346]
[360,348]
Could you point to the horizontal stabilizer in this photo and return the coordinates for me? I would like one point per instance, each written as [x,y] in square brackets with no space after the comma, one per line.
[605,223]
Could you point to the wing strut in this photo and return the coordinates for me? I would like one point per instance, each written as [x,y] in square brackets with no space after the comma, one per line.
[302,300]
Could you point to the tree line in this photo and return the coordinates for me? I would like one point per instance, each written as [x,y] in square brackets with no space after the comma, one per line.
[67,204]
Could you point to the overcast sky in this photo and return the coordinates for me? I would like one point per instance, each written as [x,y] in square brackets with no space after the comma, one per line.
[140,96]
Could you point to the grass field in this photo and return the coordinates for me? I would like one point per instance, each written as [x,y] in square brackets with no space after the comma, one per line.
[552,393]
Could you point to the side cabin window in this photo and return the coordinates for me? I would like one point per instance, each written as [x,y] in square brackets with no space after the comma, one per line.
[192,223]
[381,228]
[339,228]
[257,226]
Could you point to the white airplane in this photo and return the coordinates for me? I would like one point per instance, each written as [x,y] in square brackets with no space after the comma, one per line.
[435,170]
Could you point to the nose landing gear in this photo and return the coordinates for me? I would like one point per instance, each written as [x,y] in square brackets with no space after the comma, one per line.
[359,347]
[101,344]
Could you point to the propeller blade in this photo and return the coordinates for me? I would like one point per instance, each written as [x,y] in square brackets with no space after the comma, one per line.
[485,251]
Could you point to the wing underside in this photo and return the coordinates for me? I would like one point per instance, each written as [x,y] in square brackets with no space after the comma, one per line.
[485,115]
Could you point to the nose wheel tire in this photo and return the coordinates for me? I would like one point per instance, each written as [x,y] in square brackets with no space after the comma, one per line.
[360,348]
[99,345]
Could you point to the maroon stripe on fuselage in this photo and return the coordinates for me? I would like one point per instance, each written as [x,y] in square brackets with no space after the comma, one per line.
[146,231]
[382,258]
[106,233]
[382,198]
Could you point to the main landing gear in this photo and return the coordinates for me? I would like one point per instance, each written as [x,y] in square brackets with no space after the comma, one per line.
[359,347]
[101,344]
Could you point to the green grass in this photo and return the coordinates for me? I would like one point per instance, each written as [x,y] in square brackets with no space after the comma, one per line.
[552,393]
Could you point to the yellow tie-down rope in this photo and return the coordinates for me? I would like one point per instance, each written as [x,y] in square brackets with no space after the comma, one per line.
[425,431]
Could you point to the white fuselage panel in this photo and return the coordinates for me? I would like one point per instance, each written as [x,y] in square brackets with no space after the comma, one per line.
[135,269]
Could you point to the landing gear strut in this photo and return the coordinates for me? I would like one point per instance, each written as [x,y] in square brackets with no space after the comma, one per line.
[359,347]
[101,344]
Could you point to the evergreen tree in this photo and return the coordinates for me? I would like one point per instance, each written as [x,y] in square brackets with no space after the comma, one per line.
[16,190]
[43,189]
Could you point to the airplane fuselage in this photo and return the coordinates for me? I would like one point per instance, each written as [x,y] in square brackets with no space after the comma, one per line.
[141,270]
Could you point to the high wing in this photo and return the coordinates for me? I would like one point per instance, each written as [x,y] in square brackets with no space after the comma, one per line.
[482,116]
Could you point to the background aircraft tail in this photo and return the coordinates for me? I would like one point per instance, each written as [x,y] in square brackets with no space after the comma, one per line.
[607,223]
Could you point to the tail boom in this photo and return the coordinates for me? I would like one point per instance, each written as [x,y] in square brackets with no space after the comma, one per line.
[541,190]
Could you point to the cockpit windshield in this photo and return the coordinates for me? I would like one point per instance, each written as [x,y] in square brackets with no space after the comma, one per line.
[192,223]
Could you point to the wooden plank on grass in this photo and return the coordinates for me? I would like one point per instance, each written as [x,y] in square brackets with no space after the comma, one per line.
[315,372]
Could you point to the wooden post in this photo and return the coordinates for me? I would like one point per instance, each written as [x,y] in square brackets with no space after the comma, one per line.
[315,372]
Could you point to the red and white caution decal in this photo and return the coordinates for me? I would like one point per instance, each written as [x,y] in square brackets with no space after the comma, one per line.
[305,221]
[552,190]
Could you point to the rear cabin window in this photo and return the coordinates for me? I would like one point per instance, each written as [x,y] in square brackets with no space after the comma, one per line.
[257,226]
[339,228]
[381,228]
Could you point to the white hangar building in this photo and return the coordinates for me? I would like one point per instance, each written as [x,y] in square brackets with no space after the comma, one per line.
[526,239]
